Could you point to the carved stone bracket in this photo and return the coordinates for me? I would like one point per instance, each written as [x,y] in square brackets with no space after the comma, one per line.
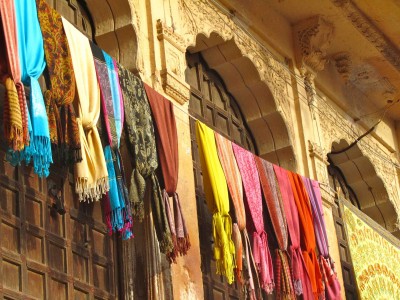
[173,63]
[312,38]
[343,65]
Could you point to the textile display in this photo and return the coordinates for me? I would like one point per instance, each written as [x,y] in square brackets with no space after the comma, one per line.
[375,259]
[252,189]
[217,198]
[301,280]
[17,136]
[272,196]
[167,146]
[141,136]
[307,236]
[235,186]
[91,176]
[331,282]
[32,64]
[64,132]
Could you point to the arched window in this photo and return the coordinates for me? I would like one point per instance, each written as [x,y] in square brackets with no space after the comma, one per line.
[212,104]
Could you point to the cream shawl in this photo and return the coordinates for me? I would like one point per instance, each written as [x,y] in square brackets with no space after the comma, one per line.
[91,177]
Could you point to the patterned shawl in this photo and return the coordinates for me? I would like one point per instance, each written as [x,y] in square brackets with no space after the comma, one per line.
[16,131]
[272,196]
[332,285]
[167,146]
[91,176]
[64,132]
[32,63]
[235,186]
[301,281]
[307,236]
[251,183]
[217,198]
[143,149]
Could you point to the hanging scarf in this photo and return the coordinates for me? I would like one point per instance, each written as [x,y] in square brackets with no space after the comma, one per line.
[301,281]
[64,132]
[307,236]
[217,198]
[235,186]
[143,148]
[167,146]
[332,286]
[32,63]
[16,133]
[91,177]
[248,170]
[284,285]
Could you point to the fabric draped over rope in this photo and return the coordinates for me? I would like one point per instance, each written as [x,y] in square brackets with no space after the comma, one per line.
[14,109]
[217,198]
[91,176]
[167,145]
[64,132]
[252,189]
[301,281]
[32,64]
[307,236]
[272,196]
[331,282]
[141,136]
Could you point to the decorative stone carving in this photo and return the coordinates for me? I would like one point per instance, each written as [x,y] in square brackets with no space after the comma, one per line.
[312,38]
[369,30]
[343,64]
[173,63]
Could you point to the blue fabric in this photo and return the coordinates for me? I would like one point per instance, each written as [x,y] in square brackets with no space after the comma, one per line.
[114,83]
[32,63]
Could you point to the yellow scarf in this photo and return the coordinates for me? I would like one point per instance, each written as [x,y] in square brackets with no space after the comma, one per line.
[217,198]
[91,177]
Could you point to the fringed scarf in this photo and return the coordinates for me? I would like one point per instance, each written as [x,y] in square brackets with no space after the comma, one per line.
[91,176]
[301,281]
[332,286]
[235,186]
[307,236]
[117,211]
[16,132]
[32,63]
[64,132]
[143,149]
[283,281]
[216,191]
[251,183]
[167,146]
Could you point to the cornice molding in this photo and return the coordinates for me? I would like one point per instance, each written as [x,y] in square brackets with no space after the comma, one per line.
[370,31]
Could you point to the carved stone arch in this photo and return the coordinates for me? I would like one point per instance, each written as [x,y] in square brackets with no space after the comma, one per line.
[116,28]
[359,171]
[242,78]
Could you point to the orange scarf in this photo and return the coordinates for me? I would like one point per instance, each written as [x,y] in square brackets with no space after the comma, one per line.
[307,236]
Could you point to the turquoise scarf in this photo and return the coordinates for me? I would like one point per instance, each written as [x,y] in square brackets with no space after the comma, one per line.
[32,63]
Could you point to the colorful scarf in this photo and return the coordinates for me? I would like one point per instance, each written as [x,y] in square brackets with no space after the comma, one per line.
[307,236]
[64,132]
[301,281]
[32,63]
[332,286]
[167,146]
[91,176]
[284,285]
[11,66]
[235,186]
[248,170]
[216,191]
[143,148]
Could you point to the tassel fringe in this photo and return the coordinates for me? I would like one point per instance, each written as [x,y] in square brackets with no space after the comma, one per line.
[92,192]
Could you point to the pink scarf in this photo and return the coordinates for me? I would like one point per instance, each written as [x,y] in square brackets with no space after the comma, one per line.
[252,189]
[301,281]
